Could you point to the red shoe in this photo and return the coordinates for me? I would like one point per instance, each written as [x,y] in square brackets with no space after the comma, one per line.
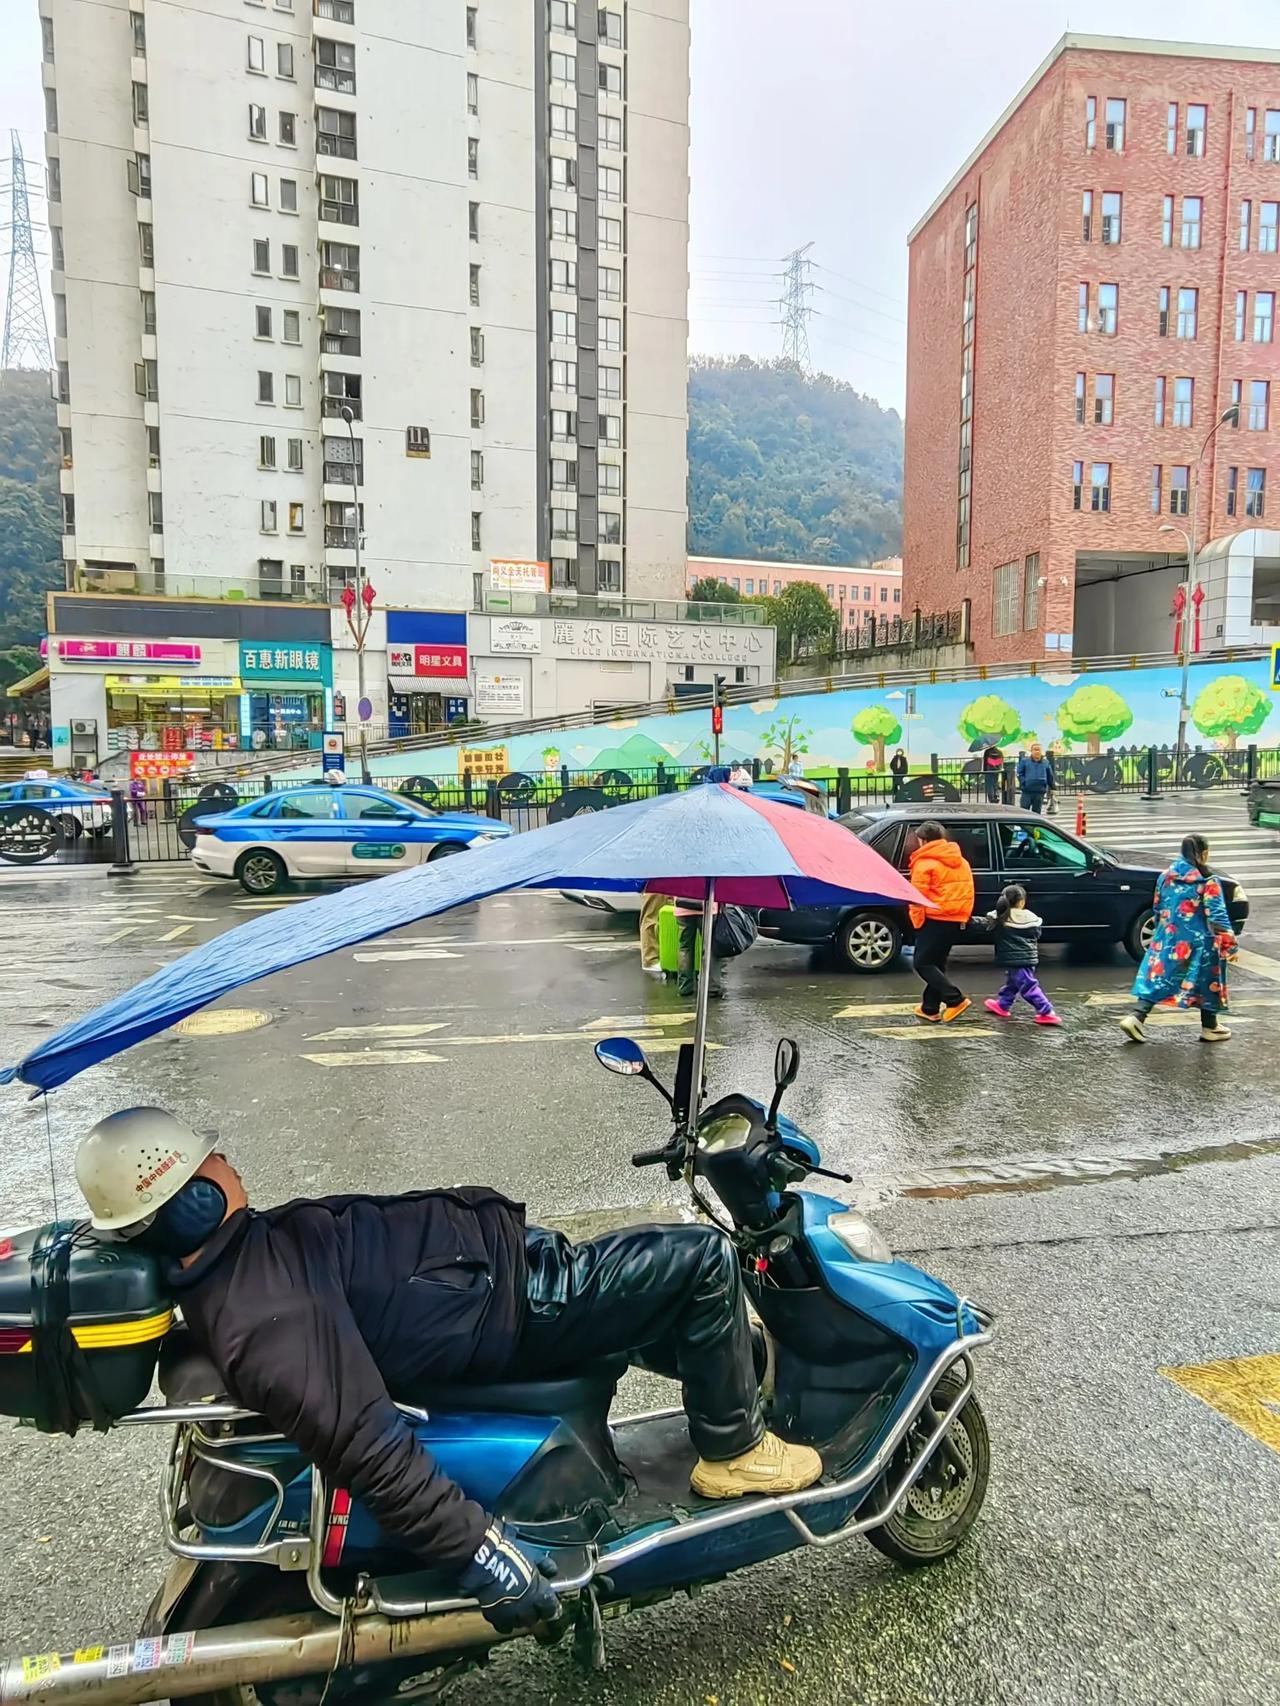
[1047,1019]
[993,1006]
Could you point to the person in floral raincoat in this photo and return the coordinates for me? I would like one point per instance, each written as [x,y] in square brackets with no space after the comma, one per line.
[1186,964]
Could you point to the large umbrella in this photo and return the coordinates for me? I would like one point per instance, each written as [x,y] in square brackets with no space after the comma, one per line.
[709,843]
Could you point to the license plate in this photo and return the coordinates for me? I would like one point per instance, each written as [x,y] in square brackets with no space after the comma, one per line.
[1271,819]
[379,850]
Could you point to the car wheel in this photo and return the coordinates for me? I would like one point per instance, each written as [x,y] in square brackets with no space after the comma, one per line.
[261,872]
[446,850]
[869,942]
[71,827]
[1137,938]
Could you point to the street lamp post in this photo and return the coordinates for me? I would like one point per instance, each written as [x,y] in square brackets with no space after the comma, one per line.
[1189,536]
[359,607]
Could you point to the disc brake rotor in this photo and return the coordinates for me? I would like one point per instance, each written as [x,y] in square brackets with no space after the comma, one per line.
[942,1490]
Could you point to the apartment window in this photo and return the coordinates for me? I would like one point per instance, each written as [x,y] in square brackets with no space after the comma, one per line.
[1164,311]
[564,475]
[342,391]
[339,266]
[1192,209]
[1171,128]
[477,347]
[609,575]
[1267,218]
[609,26]
[473,221]
[1246,218]
[564,524]
[267,516]
[1271,135]
[609,235]
[475,284]
[60,260]
[564,68]
[153,446]
[1242,313]
[564,173]
[53,179]
[564,376]
[609,528]
[294,455]
[1115,125]
[610,79]
[1259,405]
[1188,304]
[1082,308]
[610,332]
[1264,311]
[1197,125]
[155,511]
[564,276]
[340,523]
[335,133]
[564,574]
[266,451]
[610,382]
[1233,489]
[477,408]
[288,195]
[1006,599]
[564,123]
[140,105]
[1166,222]
[51,107]
[295,518]
[341,331]
[1237,389]
[261,322]
[610,479]
[1184,391]
[266,387]
[257,51]
[284,59]
[564,426]
[1111,206]
[1255,499]
[1179,491]
[609,284]
[292,391]
[564,17]
[261,255]
[258,189]
[611,431]
[148,312]
[46,35]
[610,131]
[1091,121]
[473,157]
[1156,491]
[475,530]
[1108,309]
[146,247]
[564,225]
[564,326]
[1104,390]
[1080,398]
[287,129]
[1100,486]
[339,199]
[471,26]
[1159,408]
[477,470]
[610,183]
[343,461]
[417,442]
[336,66]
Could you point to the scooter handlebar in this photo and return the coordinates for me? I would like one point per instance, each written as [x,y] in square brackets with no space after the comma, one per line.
[649,1157]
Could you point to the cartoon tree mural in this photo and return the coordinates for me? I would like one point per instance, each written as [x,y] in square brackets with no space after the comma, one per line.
[990,718]
[1093,715]
[1229,707]
[551,758]
[786,736]
[874,727]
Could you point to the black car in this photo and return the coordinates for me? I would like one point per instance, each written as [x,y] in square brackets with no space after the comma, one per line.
[1082,891]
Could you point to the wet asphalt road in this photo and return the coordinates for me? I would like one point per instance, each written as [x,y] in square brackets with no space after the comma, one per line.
[1117,1207]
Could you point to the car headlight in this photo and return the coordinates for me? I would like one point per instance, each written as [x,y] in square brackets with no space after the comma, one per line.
[480,840]
[859,1237]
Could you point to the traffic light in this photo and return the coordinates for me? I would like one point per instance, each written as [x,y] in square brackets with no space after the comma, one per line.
[717,704]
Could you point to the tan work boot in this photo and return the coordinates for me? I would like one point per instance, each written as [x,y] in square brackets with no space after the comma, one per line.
[773,1466]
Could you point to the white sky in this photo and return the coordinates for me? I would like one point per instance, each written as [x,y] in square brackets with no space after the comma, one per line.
[834,122]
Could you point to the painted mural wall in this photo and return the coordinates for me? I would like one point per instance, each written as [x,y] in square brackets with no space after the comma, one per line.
[1231,704]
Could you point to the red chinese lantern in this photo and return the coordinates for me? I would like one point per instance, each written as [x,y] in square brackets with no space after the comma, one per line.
[1197,599]
[1179,606]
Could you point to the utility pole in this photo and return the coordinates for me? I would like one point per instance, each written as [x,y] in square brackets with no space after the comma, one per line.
[358,604]
[26,331]
[717,715]
[797,287]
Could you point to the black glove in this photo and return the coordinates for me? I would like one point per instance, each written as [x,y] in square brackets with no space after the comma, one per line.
[512,1591]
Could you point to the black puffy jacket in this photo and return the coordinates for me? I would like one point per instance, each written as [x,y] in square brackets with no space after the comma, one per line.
[316,1314]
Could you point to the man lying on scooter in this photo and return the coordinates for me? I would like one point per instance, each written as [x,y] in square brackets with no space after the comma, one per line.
[316,1313]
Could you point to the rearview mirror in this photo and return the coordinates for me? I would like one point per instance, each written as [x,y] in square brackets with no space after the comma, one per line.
[620,1054]
[786,1063]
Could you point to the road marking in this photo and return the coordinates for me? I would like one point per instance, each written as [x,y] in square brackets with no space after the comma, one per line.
[875,1010]
[636,1021]
[110,941]
[1246,1390]
[172,935]
[1121,1000]
[348,1033]
[406,954]
[1262,965]
[378,1057]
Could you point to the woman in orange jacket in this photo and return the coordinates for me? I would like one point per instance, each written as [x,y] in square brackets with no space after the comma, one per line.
[941,873]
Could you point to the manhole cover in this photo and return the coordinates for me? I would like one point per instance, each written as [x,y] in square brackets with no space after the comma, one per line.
[223,1022]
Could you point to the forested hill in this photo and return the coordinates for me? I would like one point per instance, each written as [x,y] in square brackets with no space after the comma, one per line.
[30,512]
[789,468]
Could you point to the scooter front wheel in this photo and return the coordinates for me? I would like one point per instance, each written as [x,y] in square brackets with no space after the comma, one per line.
[934,1517]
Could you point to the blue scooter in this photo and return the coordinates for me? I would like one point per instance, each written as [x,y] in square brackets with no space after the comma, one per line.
[286,1590]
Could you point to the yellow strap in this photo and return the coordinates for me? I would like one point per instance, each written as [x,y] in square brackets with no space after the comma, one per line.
[112,1335]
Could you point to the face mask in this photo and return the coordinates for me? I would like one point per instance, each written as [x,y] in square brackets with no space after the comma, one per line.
[187,1220]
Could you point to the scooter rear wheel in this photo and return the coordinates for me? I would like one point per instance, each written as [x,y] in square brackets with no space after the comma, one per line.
[934,1517]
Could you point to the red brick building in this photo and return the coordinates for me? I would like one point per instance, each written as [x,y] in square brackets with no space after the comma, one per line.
[1095,287]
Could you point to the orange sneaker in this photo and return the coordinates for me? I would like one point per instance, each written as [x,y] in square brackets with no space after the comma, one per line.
[951,1014]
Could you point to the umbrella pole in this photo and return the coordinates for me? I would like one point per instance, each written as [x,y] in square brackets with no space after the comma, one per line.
[700,1009]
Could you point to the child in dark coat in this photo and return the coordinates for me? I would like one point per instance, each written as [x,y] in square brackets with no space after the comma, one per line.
[1017,934]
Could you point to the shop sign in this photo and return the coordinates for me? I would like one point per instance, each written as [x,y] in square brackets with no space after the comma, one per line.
[125,651]
[435,659]
[670,642]
[483,762]
[514,634]
[267,663]
[508,574]
[160,766]
[499,694]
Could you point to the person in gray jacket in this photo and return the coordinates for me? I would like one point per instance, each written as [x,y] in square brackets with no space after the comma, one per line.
[1017,932]
[1035,778]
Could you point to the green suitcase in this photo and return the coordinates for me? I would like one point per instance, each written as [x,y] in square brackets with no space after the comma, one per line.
[669,942]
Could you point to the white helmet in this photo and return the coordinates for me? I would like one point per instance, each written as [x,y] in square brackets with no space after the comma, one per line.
[132,1162]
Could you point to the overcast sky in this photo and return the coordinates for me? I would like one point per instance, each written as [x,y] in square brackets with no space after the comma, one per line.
[834,122]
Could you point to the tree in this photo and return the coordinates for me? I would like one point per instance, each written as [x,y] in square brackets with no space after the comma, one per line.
[788,738]
[17,662]
[990,718]
[30,512]
[1093,715]
[709,590]
[802,615]
[1229,707]
[874,727]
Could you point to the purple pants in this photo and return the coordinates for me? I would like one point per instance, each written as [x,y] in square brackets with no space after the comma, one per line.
[1022,981]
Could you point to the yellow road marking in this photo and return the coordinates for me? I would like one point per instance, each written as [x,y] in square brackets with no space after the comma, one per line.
[378,1057]
[1262,965]
[407,954]
[172,935]
[1246,1390]
[875,1010]
[637,1021]
[348,1033]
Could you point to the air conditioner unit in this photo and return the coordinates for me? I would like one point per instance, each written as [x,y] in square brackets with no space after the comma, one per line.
[84,726]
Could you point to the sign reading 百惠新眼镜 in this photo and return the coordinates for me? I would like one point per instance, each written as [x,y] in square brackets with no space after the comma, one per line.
[264,662]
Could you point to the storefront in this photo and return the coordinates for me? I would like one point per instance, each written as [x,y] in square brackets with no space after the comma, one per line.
[427,670]
[110,696]
[287,698]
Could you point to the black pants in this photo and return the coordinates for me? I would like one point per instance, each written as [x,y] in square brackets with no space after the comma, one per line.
[1208,1020]
[671,1298]
[934,941]
[1032,800]
[994,781]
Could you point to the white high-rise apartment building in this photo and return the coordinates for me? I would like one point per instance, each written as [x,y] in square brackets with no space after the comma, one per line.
[466,224]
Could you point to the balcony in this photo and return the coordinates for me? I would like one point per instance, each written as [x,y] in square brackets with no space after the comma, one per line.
[339,538]
[565,602]
[336,278]
[123,579]
[331,408]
